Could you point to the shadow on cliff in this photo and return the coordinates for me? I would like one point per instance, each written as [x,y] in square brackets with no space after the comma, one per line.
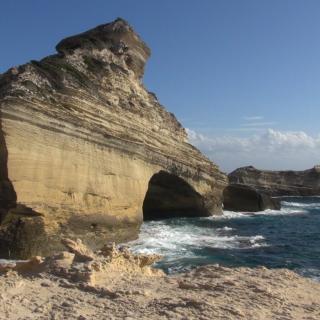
[170,196]
[8,197]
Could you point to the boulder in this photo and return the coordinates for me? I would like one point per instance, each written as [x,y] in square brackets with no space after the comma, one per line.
[60,263]
[244,198]
[81,252]
[33,265]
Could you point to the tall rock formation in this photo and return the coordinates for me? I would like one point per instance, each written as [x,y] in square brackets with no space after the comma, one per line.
[279,183]
[81,140]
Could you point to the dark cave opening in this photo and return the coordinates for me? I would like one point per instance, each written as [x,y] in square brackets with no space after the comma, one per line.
[169,196]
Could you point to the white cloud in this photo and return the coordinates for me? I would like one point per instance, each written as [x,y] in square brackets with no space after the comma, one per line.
[269,149]
[259,124]
[254,123]
[253,118]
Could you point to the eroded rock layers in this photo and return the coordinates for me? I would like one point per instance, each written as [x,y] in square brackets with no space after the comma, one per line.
[80,140]
[279,183]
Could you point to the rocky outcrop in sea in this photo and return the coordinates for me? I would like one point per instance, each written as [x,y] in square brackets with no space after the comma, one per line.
[87,151]
[279,183]
[243,198]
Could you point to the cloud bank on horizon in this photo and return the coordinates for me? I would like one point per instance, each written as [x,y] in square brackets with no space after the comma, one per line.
[268,149]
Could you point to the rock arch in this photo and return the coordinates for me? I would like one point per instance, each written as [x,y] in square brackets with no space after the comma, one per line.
[170,196]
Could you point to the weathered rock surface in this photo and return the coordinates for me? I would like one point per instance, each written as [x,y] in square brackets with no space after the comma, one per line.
[116,286]
[74,265]
[80,140]
[279,183]
[81,252]
[239,197]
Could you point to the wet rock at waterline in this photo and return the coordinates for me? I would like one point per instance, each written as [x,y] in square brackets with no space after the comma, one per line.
[239,198]
[81,139]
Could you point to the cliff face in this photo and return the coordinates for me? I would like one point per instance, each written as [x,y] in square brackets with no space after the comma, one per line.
[279,183]
[81,138]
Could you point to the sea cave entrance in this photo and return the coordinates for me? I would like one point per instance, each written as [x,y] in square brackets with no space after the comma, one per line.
[169,196]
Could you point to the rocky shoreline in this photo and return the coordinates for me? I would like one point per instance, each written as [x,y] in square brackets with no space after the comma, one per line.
[116,284]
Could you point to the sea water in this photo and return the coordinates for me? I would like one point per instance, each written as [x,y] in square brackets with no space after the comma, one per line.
[289,238]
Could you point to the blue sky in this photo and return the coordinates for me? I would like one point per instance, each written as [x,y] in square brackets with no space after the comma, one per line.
[242,76]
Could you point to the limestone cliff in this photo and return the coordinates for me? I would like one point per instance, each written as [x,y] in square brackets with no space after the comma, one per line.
[279,183]
[81,139]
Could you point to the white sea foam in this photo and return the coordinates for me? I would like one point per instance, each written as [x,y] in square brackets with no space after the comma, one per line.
[230,215]
[293,204]
[297,197]
[256,238]
[225,229]
[315,205]
[284,211]
[175,241]
[312,273]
